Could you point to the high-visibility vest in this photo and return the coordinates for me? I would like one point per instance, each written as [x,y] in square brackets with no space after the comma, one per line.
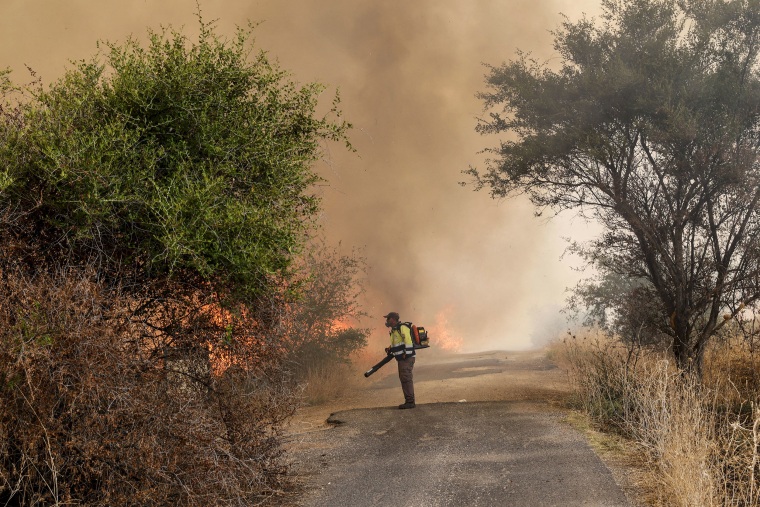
[401,341]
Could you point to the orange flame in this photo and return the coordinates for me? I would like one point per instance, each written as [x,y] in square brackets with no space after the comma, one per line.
[339,325]
[224,319]
[441,335]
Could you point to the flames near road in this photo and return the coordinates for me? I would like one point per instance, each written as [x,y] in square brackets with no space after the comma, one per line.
[442,335]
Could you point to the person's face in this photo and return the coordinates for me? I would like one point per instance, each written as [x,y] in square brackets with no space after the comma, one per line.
[391,321]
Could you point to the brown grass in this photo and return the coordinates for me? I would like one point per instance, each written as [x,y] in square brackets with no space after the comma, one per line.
[327,382]
[698,441]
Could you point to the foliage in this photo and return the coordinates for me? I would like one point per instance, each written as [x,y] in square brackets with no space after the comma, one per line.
[173,160]
[319,329]
[651,126]
[151,206]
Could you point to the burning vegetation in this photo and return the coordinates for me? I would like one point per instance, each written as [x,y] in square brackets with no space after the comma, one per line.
[152,309]
[442,335]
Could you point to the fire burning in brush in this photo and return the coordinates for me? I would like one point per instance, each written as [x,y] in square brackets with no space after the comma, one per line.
[441,335]
[339,325]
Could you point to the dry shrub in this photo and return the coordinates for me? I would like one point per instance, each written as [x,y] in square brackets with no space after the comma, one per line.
[326,382]
[736,363]
[739,457]
[674,420]
[697,439]
[601,372]
[733,370]
[90,414]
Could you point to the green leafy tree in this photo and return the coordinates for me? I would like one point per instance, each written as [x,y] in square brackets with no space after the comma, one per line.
[173,160]
[649,122]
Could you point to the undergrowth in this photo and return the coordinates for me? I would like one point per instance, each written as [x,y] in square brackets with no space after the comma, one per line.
[696,438]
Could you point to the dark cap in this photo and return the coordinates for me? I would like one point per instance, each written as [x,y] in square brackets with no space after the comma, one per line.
[393,315]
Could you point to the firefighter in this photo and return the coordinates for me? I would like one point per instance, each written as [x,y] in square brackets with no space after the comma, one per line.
[402,349]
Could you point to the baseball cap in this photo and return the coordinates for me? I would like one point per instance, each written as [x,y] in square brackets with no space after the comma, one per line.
[393,315]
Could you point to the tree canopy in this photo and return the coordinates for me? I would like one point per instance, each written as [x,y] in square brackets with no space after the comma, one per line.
[172,160]
[649,124]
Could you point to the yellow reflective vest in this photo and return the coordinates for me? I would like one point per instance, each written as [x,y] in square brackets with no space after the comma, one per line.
[401,341]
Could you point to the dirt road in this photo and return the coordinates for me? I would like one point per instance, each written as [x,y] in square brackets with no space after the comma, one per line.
[487,431]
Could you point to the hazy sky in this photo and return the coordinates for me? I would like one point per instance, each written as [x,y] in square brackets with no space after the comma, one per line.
[407,74]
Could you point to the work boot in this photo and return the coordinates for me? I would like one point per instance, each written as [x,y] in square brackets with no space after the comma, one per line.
[407,405]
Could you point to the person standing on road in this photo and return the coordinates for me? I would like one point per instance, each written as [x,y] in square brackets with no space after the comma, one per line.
[402,349]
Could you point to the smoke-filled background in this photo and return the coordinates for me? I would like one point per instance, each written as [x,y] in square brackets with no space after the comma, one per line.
[479,273]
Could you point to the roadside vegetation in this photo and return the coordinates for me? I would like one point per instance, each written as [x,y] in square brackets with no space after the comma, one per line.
[322,329]
[694,443]
[160,294]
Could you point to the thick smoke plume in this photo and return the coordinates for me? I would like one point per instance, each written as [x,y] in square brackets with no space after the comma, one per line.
[407,74]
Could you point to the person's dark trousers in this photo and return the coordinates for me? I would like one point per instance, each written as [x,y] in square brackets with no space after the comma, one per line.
[405,367]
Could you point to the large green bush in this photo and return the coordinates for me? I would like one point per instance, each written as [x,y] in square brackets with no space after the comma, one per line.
[167,160]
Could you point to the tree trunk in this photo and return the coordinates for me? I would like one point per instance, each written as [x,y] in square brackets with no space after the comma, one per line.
[688,359]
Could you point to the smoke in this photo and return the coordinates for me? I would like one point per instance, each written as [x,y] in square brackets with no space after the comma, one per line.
[407,74]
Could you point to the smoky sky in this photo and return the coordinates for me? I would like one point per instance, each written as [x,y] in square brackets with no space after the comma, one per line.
[407,73]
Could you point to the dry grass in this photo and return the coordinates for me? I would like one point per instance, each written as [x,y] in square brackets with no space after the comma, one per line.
[326,382]
[698,441]
[323,382]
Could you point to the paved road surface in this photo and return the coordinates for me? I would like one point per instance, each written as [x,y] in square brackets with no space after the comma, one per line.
[483,453]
